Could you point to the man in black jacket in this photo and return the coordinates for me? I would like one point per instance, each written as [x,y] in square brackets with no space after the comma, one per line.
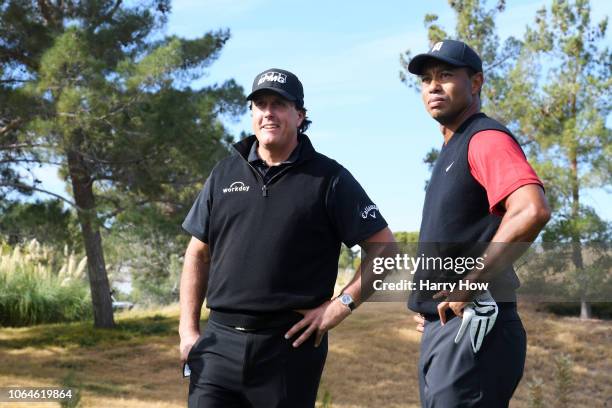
[266,234]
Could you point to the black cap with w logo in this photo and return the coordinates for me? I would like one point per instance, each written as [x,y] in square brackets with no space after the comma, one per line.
[284,83]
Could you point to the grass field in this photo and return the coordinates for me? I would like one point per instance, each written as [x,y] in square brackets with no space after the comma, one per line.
[371,363]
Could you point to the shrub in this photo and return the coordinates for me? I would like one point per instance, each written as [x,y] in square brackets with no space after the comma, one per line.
[563,380]
[31,292]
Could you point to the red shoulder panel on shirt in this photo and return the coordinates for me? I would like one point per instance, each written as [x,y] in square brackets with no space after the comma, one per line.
[498,163]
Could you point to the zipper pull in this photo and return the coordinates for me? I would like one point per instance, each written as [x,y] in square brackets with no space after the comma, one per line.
[264,190]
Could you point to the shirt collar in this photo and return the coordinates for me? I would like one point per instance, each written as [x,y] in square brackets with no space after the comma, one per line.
[253,156]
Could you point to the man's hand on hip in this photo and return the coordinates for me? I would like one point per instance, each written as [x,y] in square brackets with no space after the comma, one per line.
[456,307]
[420,321]
[187,341]
[318,320]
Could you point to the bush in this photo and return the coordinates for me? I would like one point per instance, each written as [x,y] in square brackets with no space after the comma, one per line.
[158,289]
[563,380]
[536,399]
[32,293]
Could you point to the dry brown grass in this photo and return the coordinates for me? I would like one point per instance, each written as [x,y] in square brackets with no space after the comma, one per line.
[371,363]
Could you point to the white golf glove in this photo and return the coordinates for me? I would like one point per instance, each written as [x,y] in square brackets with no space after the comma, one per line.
[480,315]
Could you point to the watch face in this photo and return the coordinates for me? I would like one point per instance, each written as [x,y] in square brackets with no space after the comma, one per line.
[346,299]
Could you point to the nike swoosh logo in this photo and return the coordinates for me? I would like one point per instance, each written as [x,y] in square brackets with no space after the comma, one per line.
[448,168]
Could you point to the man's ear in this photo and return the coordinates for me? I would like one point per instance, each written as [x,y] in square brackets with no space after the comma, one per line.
[477,80]
[302,116]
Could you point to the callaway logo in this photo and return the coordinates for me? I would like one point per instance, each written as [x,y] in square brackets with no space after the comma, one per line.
[366,211]
[236,186]
[449,166]
[272,77]
[437,46]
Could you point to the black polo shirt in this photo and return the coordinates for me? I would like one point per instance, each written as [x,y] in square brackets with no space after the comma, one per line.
[275,241]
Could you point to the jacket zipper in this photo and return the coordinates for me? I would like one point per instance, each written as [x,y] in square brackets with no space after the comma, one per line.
[280,173]
[264,188]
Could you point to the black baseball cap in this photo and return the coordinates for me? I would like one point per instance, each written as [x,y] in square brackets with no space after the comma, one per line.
[284,83]
[453,52]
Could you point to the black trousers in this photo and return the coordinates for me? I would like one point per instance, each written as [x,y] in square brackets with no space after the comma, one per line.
[453,376]
[231,368]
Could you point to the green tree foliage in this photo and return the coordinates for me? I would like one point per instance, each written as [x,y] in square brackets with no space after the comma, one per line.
[46,221]
[96,89]
[406,237]
[552,90]
[557,104]
[475,25]
[347,258]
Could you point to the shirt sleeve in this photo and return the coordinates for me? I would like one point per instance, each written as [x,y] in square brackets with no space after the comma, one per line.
[197,221]
[354,215]
[498,163]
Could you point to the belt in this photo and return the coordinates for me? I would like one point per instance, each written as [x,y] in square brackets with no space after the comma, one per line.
[253,322]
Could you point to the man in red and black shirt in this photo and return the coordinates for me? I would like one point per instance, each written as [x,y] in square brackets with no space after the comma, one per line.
[482,194]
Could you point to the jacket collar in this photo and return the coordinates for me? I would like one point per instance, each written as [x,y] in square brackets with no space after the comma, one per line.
[307,151]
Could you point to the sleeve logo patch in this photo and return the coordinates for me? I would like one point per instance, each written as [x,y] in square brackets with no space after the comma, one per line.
[369,211]
[236,186]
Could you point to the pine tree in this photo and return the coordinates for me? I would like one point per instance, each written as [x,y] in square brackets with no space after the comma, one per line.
[100,92]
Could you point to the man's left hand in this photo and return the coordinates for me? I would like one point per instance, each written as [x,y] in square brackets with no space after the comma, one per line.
[318,320]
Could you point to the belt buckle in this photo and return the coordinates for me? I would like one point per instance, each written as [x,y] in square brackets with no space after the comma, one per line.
[243,329]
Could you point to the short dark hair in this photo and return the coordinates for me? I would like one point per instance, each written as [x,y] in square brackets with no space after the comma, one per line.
[305,123]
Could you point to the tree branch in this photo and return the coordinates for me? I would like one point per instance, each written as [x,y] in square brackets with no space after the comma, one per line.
[8,54]
[31,161]
[113,10]
[12,80]
[12,125]
[46,12]
[23,145]
[40,190]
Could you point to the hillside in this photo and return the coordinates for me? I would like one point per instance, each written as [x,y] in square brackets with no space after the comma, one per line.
[371,363]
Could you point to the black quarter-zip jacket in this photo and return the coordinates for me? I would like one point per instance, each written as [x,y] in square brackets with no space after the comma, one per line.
[275,246]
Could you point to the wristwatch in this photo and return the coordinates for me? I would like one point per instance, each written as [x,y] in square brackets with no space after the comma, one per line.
[347,300]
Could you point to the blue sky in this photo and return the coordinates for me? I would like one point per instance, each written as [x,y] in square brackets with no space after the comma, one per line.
[346,54]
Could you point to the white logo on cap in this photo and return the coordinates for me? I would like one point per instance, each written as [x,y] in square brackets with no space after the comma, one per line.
[437,46]
[272,77]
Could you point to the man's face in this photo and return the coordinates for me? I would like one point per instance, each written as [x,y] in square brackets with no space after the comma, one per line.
[447,91]
[275,119]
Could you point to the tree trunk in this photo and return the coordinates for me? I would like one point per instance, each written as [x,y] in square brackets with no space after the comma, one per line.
[585,310]
[585,307]
[82,187]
